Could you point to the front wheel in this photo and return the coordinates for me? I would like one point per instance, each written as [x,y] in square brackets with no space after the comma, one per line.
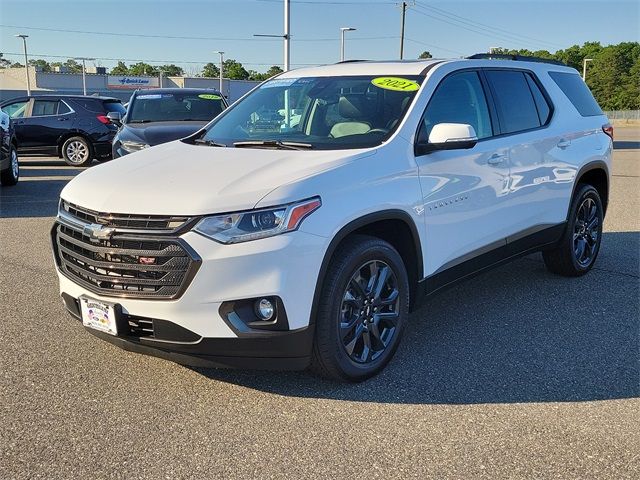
[363,308]
[11,175]
[77,152]
[577,251]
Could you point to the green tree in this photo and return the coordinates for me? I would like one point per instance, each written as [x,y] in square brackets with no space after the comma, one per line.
[73,66]
[143,69]
[4,63]
[120,69]
[234,70]
[43,65]
[171,70]
[425,54]
[211,70]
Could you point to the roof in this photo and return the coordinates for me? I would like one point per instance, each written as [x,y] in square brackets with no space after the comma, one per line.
[412,67]
[177,89]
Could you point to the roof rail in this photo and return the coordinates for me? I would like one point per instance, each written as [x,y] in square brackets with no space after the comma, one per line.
[350,61]
[508,56]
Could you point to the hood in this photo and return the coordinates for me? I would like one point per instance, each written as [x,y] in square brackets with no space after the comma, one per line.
[182,179]
[156,133]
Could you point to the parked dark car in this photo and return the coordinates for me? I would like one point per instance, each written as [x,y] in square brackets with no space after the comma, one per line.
[75,128]
[162,115]
[9,167]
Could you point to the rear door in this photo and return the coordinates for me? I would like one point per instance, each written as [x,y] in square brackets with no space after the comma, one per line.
[50,118]
[524,112]
[464,191]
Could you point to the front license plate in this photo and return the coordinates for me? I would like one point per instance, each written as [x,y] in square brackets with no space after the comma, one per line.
[98,315]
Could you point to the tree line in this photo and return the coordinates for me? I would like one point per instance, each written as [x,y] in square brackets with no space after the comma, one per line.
[613,74]
[233,69]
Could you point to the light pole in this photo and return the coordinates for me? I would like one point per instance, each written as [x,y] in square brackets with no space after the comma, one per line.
[221,66]
[342,30]
[84,73]
[584,68]
[286,36]
[26,61]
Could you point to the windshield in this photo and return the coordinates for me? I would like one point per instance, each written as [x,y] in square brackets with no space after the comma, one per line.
[317,112]
[171,107]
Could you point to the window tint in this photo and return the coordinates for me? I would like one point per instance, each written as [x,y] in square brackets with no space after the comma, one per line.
[16,110]
[544,111]
[458,99]
[114,107]
[577,92]
[44,107]
[63,108]
[516,107]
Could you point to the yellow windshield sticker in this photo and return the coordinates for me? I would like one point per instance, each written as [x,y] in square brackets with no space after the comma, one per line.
[396,83]
[209,96]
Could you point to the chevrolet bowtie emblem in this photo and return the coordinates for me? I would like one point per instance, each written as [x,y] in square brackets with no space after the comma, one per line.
[97,232]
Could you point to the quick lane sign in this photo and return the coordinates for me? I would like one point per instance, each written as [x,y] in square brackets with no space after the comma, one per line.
[131,83]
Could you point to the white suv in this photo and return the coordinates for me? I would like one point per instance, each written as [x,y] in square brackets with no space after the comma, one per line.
[299,227]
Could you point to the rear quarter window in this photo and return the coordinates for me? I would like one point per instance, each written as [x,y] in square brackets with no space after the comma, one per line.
[577,92]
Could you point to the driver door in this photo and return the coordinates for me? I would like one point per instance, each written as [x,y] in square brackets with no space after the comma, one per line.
[464,190]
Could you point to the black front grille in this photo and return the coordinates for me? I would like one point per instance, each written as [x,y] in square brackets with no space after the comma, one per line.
[129,221]
[125,265]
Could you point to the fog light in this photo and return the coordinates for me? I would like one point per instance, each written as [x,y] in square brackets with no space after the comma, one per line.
[264,309]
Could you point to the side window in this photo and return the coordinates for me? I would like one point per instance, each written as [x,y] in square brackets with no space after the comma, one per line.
[16,110]
[577,92]
[514,101]
[63,108]
[544,110]
[458,99]
[44,107]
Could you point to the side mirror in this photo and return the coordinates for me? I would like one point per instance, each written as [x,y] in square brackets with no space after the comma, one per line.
[115,117]
[448,136]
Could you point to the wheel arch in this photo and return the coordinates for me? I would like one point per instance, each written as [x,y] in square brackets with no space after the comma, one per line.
[595,174]
[394,226]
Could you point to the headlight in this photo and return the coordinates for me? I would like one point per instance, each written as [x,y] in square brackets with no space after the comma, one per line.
[254,224]
[131,147]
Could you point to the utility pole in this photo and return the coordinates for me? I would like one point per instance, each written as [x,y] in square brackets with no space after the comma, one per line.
[584,68]
[404,13]
[26,61]
[84,74]
[342,30]
[221,67]
[287,35]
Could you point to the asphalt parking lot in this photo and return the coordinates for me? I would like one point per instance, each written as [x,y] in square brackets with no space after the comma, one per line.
[513,374]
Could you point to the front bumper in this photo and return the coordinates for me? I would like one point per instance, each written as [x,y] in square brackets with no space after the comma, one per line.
[285,266]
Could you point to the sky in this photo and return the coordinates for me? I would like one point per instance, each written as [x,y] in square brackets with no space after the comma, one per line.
[153,30]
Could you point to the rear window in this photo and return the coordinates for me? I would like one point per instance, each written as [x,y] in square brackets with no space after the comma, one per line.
[577,92]
[516,107]
[114,107]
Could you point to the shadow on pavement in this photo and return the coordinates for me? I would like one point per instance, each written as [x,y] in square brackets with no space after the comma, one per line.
[625,145]
[516,334]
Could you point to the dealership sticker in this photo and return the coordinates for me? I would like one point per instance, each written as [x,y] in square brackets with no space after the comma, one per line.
[396,83]
[280,82]
[209,96]
[154,96]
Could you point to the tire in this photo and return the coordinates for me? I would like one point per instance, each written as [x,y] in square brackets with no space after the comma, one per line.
[11,175]
[77,152]
[576,253]
[347,320]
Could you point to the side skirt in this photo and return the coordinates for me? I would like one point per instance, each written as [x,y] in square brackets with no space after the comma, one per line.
[510,249]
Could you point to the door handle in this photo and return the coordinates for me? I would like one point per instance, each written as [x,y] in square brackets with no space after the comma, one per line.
[61,119]
[496,158]
[564,143]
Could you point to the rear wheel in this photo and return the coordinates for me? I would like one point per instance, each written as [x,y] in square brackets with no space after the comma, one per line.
[579,247]
[11,175]
[362,312]
[77,152]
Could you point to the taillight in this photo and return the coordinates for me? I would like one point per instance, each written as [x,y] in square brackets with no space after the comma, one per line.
[608,129]
[103,119]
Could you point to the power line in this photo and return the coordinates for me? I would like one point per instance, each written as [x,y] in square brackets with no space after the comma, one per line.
[179,37]
[471,25]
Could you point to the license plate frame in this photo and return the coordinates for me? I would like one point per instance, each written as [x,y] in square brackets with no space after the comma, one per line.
[99,315]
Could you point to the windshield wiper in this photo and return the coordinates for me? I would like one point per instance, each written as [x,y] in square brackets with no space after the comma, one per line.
[208,143]
[274,144]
